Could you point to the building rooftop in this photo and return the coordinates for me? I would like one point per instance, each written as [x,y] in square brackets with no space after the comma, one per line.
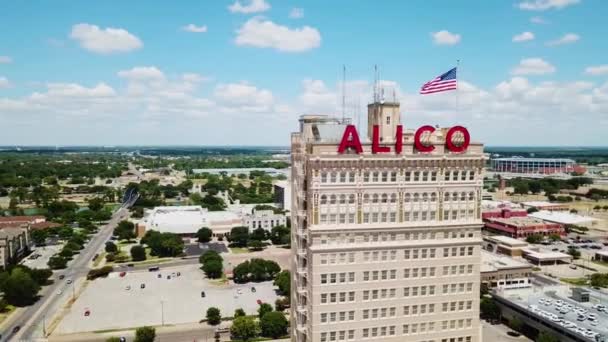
[563,160]
[507,241]
[541,204]
[602,253]
[10,232]
[543,255]
[491,262]
[562,217]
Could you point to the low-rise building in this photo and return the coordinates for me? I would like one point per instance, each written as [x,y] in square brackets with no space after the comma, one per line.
[265,219]
[544,205]
[601,256]
[11,221]
[14,244]
[521,226]
[282,194]
[504,245]
[503,272]
[565,218]
[541,257]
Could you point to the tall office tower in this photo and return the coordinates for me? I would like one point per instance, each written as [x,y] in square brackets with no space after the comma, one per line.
[386,231]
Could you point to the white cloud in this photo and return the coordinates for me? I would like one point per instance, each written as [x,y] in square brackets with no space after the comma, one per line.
[597,70]
[538,20]
[195,29]
[244,97]
[523,37]
[255,6]
[142,73]
[568,38]
[262,33]
[533,66]
[76,90]
[4,83]
[104,41]
[542,5]
[5,60]
[296,13]
[444,37]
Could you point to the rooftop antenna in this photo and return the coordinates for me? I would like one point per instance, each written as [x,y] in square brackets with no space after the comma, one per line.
[343,91]
[375,83]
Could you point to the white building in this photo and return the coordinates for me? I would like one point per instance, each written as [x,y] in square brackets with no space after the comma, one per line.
[385,246]
[500,271]
[563,217]
[266,219]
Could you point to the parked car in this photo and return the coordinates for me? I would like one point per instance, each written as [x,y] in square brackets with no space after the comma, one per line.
[128,287]
[16,329]
[87,312]
[253,289]
[573,267]
[203,294]
[143,286]
[61,276]
[159,275]
[122,274]
[69,281]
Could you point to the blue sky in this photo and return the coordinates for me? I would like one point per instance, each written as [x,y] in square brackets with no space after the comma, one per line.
[241,72]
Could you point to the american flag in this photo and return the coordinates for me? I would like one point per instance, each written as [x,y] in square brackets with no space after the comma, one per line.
[441,83]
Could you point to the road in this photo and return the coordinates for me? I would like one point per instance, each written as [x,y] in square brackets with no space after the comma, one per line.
[33,318]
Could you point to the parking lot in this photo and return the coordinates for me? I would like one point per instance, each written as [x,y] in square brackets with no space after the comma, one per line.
[169,301]
[45,253]
[582,318]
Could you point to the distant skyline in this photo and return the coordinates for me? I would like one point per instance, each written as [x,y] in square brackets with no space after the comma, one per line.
[532,72]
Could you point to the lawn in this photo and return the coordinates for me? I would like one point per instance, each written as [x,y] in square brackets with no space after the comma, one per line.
[6,312]
[239,250]
[575,281]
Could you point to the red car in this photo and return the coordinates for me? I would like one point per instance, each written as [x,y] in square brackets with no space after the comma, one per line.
[122,274]
[259,302]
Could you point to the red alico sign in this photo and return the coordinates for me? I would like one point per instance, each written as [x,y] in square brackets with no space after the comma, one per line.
[350,139]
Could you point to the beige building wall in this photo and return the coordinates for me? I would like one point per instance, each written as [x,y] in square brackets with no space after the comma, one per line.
[385,247]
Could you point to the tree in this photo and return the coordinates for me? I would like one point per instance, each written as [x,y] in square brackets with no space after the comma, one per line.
[264,309]
[258,234]
[95,204]
[40,275]
[208,256]
[57,262]
[521,188]
[255,270]
[39,236]
[204,235]
[273,324]
[535,187]
[535,238]
[214,316]
[599,280]
[279,235]
[239,236]
[597,207]
[111,247]
[516,324]
[145,334]
[244,328]
[255,245]
[125,230]
[532,210]
[555,237]
[239,313]
[19,288]
[213,269]
[282,303]
[138,253]
[283,282]
[545,336]
[163,244]
[576,254]
[489,308]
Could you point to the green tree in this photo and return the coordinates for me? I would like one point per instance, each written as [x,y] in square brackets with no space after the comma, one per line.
[258,234]
[279,235]
[204,235]
[214,316]
[138,253]
[19,288]
[213,269]
[41,275]
[255,245]
[210,255]
[532,210]
[244,328]
[239,236]
[281,303]
[239,313]
[283,282]
[39,236]
[535,187]
[145,334]
[57,262]
[576,254]
[125,230]
[264,309]
[599,280]
[95,203]
[111,247]
[516,324]
[273,324]
[545,336]
[489,308]
[535,238]
[521,188]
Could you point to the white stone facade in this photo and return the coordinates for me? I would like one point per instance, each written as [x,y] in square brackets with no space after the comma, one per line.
[265,219]
[385,247]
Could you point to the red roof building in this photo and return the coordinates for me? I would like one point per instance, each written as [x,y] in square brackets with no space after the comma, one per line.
[518,224]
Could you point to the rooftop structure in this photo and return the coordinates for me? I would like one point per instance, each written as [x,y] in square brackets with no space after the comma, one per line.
[564,218]
[504,245]
[601,255]
[544,205]
[535,165]
[501,271]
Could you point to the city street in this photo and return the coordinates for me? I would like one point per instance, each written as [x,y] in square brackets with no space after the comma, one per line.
[34,319]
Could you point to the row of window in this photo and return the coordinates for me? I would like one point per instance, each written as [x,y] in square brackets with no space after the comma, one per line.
[427,327]
[391,216]
[391,255]
[392,198]
[408,273]
[383,237]
[391,176]
[341,316]
[338,297]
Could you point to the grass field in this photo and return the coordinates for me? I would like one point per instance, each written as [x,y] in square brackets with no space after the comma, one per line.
[239,250]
